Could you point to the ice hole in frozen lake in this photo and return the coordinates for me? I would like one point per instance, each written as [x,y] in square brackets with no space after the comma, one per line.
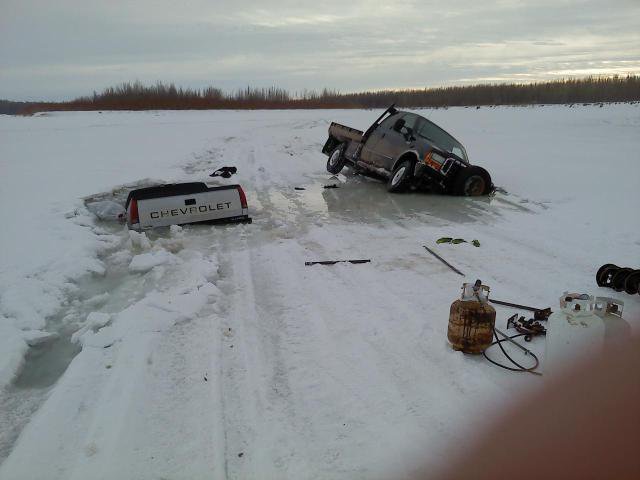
[48,360]
[45,363]
[111,292]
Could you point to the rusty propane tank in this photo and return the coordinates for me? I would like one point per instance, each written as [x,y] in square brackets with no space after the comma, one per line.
[472,319]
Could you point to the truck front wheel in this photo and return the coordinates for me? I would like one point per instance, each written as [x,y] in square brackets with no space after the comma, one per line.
[400,178]
[336,160]
[472,181]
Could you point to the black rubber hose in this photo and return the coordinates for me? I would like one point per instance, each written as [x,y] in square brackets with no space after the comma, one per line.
[519,368]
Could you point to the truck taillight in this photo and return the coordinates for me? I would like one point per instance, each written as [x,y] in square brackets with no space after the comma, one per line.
[133,212]
[243,197]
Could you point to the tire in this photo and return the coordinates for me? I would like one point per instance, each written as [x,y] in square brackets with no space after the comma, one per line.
[336,160]
[401,177]
[472,181]
[632,283]
[619,279]
[606,277]
[602,276]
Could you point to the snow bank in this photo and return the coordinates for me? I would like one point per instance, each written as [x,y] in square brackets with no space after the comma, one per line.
[106,210]
[38,337]
[12,349]
[94,322]
[146,261]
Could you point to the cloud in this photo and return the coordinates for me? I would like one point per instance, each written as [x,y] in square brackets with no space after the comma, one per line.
[70,47]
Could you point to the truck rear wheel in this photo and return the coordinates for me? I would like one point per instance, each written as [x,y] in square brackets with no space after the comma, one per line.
[336,160]
[472,181]
[400,178]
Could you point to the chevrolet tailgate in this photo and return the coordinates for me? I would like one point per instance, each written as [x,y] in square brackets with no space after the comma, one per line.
[185,203]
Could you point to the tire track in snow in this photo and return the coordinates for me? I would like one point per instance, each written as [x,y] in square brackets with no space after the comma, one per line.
[240,404]
[242,365]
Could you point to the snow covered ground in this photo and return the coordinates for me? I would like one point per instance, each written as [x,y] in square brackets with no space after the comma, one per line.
[213,352]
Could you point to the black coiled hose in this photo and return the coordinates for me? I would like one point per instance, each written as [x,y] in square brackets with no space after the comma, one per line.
[518,367]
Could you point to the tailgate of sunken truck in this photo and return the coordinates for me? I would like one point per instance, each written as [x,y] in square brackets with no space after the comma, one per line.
[182,203]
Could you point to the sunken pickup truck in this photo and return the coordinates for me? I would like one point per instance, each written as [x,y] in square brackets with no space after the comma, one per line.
[409,152]
[182,203]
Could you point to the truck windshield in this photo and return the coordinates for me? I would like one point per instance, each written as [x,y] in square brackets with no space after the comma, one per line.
[433,133]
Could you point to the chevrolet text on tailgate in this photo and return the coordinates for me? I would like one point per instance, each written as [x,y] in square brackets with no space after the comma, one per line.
[183,203]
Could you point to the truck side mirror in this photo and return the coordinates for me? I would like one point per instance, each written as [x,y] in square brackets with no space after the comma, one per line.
[399,125]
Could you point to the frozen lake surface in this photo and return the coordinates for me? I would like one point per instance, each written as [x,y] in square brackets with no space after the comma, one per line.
[229,358]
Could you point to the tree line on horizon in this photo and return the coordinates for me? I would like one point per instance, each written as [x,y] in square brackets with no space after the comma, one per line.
[137,96]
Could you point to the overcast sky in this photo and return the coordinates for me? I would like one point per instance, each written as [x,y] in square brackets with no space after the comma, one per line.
[59,49]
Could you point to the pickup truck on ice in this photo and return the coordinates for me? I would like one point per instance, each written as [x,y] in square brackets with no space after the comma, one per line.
[182,203]
[408,151]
